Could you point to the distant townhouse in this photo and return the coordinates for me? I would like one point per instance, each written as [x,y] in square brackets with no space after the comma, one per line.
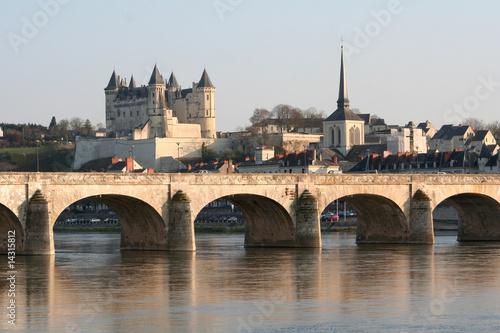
[450,137]
[481,137]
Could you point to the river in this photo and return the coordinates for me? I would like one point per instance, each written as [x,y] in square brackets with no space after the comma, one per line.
[92,286]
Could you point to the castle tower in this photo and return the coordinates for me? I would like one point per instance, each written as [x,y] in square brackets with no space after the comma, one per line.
[206,113]
[111,92]
[158,112]
[343,128]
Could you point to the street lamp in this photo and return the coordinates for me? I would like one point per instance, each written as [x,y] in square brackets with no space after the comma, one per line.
[132,152]
[417,157]
[37,159]
[178,156]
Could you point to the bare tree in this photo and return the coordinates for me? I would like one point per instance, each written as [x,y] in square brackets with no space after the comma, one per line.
[259,115]
[475,123]
[76,124]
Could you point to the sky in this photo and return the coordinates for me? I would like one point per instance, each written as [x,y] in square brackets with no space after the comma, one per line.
[435,60]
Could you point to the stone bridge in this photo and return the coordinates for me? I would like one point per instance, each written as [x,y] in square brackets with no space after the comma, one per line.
[157,211]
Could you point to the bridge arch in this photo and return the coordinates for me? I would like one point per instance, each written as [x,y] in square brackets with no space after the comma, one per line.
[380,219]
[8,223]
[478,214]
[142,227]
[268,223]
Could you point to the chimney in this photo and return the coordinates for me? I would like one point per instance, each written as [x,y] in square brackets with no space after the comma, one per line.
[151,170]
[314,154]
[130,164]
[189,167]
[360,158]
[335,160]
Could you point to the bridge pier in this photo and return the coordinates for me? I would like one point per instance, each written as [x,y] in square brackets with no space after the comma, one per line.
[421,225]
[39,234]
[308,229]
[180,226]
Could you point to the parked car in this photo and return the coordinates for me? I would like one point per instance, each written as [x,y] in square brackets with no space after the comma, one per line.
[326,216]
[333,218]
[202,171]
[232,219]
[213,219]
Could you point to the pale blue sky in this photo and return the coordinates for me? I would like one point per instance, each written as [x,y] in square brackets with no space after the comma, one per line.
[417,64]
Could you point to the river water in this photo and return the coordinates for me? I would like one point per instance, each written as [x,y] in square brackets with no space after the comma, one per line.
[91,286]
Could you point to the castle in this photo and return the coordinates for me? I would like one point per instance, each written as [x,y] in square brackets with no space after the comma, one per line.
[162,109]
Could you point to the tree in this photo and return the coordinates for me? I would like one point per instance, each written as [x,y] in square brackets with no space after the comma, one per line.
[52,122]
[208,155]
[475,123]
[259,115]
[288,116]
[494,128]
[88,129]
[62,129]
[76,124]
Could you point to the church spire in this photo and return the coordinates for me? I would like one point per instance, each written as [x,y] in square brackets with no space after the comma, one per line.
[343,101]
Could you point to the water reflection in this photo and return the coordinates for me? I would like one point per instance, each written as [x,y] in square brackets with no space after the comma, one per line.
[90,285]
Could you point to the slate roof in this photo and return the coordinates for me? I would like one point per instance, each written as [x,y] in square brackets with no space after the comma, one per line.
[205,80]
[113,82]
[343,114]
[156,77]
[172,81]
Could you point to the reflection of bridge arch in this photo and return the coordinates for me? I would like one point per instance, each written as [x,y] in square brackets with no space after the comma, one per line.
[380,219]
[10,222]
[479,216]
[267,221]
[142,225]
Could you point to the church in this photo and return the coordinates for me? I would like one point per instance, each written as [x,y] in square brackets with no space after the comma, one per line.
[162,109]
[343,128]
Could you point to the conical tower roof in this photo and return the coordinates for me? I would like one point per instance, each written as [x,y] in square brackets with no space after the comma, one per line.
[132,82]
[205,80]
[156,77]
[343,112]
[172,81]
[113,82]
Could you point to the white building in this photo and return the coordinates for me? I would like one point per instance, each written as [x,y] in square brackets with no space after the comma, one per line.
[407,140]
[161,109]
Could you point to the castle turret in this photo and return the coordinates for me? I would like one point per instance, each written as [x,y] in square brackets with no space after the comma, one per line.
[206,113]
[156,93]
[160,115]
[132,84]
[111,92]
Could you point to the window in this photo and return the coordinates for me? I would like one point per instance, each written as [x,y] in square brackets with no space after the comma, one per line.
[130,113]
[208,97]
[137,113]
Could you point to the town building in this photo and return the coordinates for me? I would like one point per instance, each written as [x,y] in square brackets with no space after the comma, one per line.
[161,109]
[407,139]
[480,138]
[451,137]
[343,128]
[307,161]
[454,162]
